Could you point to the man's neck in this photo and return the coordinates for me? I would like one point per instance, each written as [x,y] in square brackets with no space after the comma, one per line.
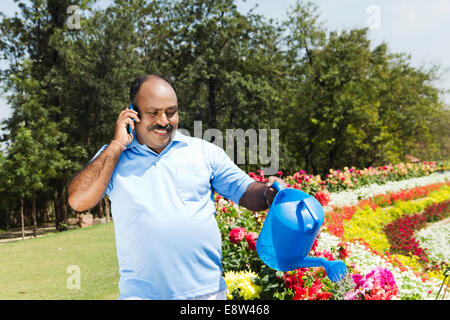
[158,150]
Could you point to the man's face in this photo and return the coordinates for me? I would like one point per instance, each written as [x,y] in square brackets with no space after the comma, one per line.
[158,112]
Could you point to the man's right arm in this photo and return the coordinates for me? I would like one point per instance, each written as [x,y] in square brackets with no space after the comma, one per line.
[88,186]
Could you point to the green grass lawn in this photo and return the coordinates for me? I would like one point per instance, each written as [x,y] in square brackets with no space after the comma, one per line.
[37,268]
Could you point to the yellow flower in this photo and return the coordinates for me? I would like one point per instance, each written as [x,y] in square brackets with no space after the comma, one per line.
[230,279]
[242,281]
[248,290]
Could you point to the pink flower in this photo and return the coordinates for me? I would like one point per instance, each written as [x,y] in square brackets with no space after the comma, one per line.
[352,295]
[379,284]
[357,279]
[237,235]
[251,239]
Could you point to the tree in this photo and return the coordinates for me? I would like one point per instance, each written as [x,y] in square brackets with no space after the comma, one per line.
[20,166]
[411,111]
[336,101]
[352,105]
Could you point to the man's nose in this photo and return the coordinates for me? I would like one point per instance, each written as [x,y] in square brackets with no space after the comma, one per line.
[162,120]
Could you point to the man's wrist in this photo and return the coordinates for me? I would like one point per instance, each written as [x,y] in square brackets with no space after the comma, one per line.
[117,145]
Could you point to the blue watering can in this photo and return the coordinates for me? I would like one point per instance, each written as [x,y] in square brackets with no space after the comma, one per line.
[289,231]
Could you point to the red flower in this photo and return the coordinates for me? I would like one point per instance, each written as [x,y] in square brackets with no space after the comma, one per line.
[314,290]
[343,250]
[323,197]
[324,296]
[293,279]
[251,239]
[237,235]
[300,293]
[325,254]
[315,244]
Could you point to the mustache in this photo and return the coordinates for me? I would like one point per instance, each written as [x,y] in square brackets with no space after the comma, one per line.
[158,127]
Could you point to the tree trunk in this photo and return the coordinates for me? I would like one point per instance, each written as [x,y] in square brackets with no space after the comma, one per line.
[21,218]
[107,210]
[63,209]
[56,205]
[101,210]
[34,216]
[46,215]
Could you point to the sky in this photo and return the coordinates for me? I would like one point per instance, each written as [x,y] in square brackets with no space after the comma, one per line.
[416,27]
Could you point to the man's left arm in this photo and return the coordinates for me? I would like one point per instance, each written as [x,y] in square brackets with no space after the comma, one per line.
[259,195]
[234,184]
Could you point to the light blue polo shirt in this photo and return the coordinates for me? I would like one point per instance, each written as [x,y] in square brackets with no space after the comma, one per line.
[167,238]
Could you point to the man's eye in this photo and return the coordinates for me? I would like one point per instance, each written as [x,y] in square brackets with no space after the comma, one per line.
[152,113]
[170,114]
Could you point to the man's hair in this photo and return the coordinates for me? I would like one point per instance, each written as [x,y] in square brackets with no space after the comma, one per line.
[137,83]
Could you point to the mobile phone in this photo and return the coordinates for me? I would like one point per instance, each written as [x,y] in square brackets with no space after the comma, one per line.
[128,126]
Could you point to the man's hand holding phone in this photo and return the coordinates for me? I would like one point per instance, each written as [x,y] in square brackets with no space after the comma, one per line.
[88,187]
[124,120]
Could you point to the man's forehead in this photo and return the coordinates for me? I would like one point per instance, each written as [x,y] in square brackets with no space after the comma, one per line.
[156,96]
[156,89]
[157,86]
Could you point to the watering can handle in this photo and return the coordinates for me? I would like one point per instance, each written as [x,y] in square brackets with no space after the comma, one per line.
[278,186]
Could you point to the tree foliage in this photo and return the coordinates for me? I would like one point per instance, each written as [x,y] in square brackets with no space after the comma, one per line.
[337,99]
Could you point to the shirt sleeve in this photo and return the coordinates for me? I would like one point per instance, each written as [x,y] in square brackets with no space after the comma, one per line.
[109,187]
[228,179]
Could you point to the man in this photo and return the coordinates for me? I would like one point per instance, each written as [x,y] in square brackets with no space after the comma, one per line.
[160,186]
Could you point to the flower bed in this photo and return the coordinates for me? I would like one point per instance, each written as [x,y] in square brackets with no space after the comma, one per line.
[401,232]
[352,178]
[352,233]
[368,224]
[352,197]
[435,240]
[335,216]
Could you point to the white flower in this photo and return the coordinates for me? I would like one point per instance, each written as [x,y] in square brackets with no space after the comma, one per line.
[436,240]
[409,285]
[351,197]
